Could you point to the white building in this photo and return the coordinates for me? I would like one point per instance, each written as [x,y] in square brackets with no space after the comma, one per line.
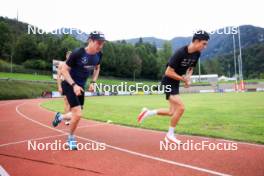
[224,78]
[204,78]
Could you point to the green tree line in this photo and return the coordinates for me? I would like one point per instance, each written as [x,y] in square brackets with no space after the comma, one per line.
[121,59]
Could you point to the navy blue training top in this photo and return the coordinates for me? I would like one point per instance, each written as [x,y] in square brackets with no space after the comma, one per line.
[82,65]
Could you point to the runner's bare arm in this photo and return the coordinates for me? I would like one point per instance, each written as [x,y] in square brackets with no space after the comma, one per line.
[66,74]
[65,71]
[94,77]
[189,72]
[96,73]
[170,72]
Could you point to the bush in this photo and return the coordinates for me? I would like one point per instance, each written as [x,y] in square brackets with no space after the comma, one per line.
[36,64]
[6,66]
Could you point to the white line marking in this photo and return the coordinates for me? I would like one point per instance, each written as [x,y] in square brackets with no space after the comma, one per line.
[155,131]
[128,151]
[6,103]
[193,136]
[47,137]
[85,126]
[34,139]
[3,171]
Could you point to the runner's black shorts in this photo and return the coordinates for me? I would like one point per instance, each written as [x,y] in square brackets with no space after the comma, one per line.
[73,99]
[173,85]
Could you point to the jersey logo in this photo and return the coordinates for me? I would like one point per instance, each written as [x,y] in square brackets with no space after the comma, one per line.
[84,60]
[187,62]
[89,67]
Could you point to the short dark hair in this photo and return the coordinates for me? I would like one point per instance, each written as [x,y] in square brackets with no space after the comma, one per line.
[200,35]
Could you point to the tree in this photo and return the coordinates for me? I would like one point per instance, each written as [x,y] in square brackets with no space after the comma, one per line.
[163,56]
[5,40]
[26,48]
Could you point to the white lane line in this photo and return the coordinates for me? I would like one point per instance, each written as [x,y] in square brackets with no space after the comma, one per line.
[184,135]
[32,139]
[128,151]
[3,171]
[190,136]
[6,103]
[46,137]
[85,126]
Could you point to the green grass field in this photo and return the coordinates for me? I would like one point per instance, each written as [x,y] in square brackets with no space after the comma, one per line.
[238,116]
[23,76]
[11,89]
[103,80]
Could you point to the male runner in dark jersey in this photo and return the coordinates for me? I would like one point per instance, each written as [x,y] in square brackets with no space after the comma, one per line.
[81,63]
[182,62]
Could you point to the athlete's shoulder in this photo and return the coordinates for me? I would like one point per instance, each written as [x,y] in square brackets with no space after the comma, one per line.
[77,53]
[100,54]
[197,54]
[78,50]
[181,50]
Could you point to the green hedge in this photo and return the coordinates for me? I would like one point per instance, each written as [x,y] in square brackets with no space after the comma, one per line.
[10,89]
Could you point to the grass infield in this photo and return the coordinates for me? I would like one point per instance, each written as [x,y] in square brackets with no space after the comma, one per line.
[237,116]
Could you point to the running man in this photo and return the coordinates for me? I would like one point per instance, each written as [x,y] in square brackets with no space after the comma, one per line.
[59,80]
[182,62]
[81,63]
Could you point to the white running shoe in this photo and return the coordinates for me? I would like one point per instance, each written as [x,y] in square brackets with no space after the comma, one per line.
[142,115]
[172,139]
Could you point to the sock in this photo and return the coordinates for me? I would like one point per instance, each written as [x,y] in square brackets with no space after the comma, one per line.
[71,136]
[171,131]
[152,112]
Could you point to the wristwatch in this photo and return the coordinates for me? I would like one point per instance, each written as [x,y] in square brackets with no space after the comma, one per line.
[73,84]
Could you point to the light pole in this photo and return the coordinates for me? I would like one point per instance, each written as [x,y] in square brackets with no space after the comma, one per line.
[240,56]
[199,63]
[234,45]
[240,62]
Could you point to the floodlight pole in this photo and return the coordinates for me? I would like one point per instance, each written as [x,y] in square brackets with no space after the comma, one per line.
[240,55]
[234,45]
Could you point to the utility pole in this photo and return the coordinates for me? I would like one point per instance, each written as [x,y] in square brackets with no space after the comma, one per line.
[240,55]
[240,62]
[235,67]
[199,63]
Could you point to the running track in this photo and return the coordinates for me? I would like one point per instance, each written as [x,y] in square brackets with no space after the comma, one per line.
[129,151]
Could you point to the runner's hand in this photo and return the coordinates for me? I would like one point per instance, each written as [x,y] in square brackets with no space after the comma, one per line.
[77,90]
[186,81]
[91,87]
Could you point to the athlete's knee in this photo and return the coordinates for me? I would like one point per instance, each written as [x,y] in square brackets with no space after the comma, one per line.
[171,112]
[76,118]
[76,113]
[181,108]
